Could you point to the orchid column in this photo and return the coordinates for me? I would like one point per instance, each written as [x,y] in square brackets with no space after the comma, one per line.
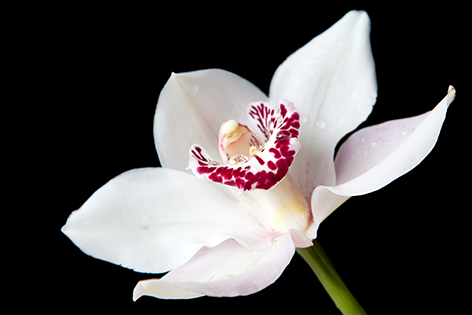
[262,177]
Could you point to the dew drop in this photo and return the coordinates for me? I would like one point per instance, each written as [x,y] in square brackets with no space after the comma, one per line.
[376,143]
[276,238]
[321,124]
[304,119]
[146,217]
[365,152]
[238,158]
[196,88]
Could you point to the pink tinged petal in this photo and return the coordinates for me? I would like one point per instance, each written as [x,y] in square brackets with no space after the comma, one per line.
[265,169]
[332,81]
[154,219]
[323,203]
[385,152]
[192,106]
[375,156]
[226,270]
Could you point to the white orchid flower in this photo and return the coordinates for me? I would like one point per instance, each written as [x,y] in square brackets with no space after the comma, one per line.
[264,177]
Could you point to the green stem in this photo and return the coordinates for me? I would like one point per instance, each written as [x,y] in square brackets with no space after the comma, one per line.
[319,262]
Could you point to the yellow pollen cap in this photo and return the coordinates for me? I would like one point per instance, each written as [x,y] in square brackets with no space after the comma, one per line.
[230,127]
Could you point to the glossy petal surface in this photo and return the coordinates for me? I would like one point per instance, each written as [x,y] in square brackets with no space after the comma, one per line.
[332,82]
[191,108]
[375,156]
[154,219]
[226,270]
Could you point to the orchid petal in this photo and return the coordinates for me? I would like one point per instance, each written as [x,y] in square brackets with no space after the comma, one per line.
[332,82]
[266,168]
[191,108]
[375,156]
[384,152]
[226,270]
[154,219]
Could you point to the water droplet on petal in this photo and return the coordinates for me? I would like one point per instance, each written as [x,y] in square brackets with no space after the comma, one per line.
[376,143]
[321,124]
[238,158]
[146,217]
[365,152]
[276,238]
[196,88]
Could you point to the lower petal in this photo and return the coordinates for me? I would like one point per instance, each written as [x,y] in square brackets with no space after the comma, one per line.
[155,219]
[226,270]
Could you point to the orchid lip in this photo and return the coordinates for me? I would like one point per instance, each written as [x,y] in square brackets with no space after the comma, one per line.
[253,160]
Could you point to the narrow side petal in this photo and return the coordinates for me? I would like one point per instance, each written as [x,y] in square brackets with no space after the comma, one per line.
[226,270]
[191,108]
[154,219]
[374,156]
[332,82]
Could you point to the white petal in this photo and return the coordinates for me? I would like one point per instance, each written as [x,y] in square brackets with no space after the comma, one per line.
[332,81]
[323,203]
[375,156]
[384,152]
[154,219]
[226,270]
[191,108]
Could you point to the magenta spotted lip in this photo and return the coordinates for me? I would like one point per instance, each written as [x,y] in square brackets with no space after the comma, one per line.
[279,135]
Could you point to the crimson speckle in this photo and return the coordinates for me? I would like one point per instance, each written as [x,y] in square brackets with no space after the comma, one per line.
[276,153]
[278,132]
[283,110]
[261,161]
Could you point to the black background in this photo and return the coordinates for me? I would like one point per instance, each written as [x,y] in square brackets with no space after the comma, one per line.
[402,249]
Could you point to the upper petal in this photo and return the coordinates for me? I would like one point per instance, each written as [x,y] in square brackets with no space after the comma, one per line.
[154,219]
[332,82]
[226,270]
[191,108]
